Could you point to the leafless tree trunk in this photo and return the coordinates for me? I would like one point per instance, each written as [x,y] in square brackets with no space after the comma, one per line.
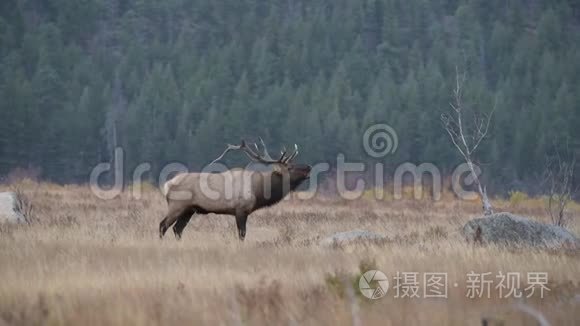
[558,178]
[467,136]
[113,121]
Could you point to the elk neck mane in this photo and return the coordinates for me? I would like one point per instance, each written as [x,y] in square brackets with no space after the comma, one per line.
[277,189]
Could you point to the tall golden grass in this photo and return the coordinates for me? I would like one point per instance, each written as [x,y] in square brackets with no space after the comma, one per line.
[85,261]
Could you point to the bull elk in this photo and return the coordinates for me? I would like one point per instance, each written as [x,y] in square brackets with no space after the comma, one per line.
[237,192]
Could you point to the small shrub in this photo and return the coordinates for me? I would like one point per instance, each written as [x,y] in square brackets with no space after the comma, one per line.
[373,193]
[260,303]
[517,197]
[19,174]
[287,233]
[366,265]
[435,233]
[407,239]
[337,282]
[64,220]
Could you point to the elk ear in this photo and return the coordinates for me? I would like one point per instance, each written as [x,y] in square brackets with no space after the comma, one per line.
[280,170]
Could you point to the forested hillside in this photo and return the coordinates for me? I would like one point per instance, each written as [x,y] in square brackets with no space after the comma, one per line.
[174,80]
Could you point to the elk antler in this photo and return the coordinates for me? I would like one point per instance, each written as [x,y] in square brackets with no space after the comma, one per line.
[293,155]
[255,155]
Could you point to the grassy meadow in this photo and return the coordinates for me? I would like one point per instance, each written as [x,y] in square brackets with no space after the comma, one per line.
[86,261]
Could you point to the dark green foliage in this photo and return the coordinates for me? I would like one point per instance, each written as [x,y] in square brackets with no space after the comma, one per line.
[174,80]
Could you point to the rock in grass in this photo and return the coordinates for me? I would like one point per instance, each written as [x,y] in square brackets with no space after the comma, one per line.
[517,231]
[9,208]
[352,237]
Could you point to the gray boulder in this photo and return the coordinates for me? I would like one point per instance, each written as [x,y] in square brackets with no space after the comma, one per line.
[9,208]
[517,231]
[352,237]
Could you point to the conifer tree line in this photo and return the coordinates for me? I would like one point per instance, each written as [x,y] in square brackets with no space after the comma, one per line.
[174,80]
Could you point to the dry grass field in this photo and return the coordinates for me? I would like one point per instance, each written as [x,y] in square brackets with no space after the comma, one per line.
[86,261]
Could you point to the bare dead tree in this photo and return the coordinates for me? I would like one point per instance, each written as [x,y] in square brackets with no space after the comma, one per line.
[558,177]
[467,135]
[23,205]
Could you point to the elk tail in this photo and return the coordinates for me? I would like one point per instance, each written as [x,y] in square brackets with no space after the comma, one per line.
[168,184]
[165,188]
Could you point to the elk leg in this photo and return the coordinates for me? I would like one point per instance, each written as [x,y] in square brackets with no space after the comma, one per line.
[169,219]
[181,223]
[241,219]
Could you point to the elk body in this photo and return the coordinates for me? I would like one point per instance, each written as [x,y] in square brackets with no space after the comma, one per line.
[237,192]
